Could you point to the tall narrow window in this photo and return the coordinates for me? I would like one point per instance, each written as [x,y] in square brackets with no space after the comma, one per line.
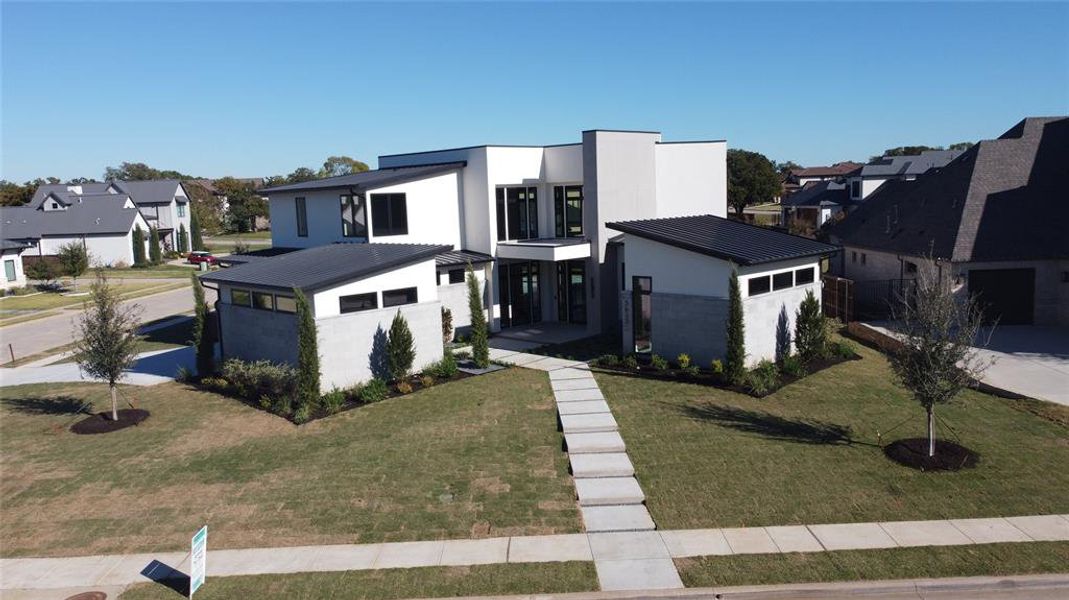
[181,210]
[517,213]
[568,210]
[502,230]
[389,214]
[9,270]
[353,216]
[642,313]
[302,218]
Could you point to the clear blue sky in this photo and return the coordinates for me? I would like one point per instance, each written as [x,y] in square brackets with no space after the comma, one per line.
[259,89]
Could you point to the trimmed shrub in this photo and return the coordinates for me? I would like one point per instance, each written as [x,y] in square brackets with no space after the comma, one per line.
[793,366]
[608,360]
[717,367]
[400,348]
[844,349]
[404,386]
[254,380]
[763,378]
[41,270]
[215,384]
[658,363]
[154,255]
[735,361]
[307,376]
[683,360]
[629,362]
[139,246]
[203,340]
[445,368]
[332,401]
[374,391]
[810,331]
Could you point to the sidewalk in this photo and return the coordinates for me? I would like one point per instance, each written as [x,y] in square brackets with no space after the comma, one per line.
[158,366]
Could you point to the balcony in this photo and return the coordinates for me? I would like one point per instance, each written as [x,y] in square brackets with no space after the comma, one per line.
[548,249]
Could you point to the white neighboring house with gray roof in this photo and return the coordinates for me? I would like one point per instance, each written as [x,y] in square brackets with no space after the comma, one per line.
[103,223]
[906,168]
[163,203]
[11,253]
[354,291]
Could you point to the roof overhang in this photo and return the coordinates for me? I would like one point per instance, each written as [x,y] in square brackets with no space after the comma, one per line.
[552,250]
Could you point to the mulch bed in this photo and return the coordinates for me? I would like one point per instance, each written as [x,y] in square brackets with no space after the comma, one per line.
[913,453]
[710,379]
[102,423]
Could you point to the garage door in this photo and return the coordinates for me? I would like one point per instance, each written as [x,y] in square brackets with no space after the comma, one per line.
[1005,294]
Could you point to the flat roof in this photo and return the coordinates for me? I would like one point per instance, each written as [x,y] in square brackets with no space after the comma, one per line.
[725,239]
[366,180]
[324,266]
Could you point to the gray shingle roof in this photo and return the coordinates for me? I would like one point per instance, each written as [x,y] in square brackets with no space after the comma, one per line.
[97,216]
[725,239]
[324,266]
[820,193]
[1003,199]
[141,192]
[903,166]
[367,179]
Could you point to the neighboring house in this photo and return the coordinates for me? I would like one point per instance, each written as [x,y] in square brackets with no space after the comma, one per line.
[994,220]
[816,203]
[797,178]
[11,254]
[103,223]
[674,288]
[535,214]
[354,290]
[163,203]
[871,176]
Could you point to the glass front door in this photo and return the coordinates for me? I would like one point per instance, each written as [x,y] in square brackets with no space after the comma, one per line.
[519,295]
[571,291]
[642,313]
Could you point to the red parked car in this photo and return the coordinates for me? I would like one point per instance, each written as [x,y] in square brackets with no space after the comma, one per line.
[200,256]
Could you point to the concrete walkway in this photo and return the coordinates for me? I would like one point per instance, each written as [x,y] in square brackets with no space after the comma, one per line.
[613,549]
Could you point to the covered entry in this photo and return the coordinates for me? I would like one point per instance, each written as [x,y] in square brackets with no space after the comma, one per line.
[1006,295]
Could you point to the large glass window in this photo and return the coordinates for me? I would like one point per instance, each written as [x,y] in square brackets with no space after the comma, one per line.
[399,297]
[758,285]
[240,297]
[263,301]
[568,210]
[782,281]
[353,216]
[358,302]
[642,313]
[302,217]
[389,214]
[517,213]
[9,270]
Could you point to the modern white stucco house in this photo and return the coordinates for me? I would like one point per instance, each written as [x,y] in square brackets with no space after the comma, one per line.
[537,212]
[676,277]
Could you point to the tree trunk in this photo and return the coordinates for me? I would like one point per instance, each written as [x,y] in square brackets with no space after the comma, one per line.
[931,431]
[114,403]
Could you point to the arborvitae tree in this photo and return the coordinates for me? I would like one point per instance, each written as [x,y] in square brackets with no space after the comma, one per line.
[809,331]
[154,246]
[480,344]
[183,239]
[107,343]
[735,361]
[194,226]
[139,246]
[202,334]
[73,260]
[307,353]
[400,348]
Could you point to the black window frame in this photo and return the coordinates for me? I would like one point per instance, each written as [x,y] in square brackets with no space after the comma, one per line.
[453,273]
[561,224]
[258,296]
[278,306]
[301,206]
[389,214]
[750,291]
[411,296]
[799,274]
[352,205]
[782,281]
[234,292]
[360,302]
[855,189]
[524,219]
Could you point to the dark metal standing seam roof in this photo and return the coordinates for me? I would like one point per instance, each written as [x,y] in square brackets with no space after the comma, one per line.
[366,179]
[725,239]
[323,266]
[461,257]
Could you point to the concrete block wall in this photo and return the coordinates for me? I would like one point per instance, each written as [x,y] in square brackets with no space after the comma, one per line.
[251,334]
[695,325]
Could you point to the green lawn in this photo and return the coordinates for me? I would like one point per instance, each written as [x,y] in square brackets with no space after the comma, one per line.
[232,237]
[50,300]
[164,271]
[897,563]
[808,453]
[431,582]
[460,460]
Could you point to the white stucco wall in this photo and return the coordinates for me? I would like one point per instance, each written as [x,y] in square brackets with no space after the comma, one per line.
[421,276]
[674,270]
[691,179]
[761,313]
[869,185]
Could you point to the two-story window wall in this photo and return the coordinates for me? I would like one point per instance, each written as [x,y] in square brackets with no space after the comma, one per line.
[517,213]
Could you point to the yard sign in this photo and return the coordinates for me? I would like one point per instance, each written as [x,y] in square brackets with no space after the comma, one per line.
[198,556]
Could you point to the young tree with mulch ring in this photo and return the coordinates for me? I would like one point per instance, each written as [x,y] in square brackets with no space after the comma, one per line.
[202,335]
[139,246]
[73,260]
[400,348]
[107,340]
[480,343]
[810,336]
[154,246]
[735,360]
[938,331]
[307,353]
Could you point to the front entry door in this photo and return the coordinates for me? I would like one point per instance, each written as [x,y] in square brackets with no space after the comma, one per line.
[571,291]
[518,285]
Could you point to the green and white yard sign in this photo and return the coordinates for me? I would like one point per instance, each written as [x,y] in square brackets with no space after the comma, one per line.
[198,557]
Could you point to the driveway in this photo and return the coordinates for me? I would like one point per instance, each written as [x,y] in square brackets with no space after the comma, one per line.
[33,337]
[1030,360]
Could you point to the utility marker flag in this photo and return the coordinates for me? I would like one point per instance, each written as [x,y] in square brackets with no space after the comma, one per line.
[198,557]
